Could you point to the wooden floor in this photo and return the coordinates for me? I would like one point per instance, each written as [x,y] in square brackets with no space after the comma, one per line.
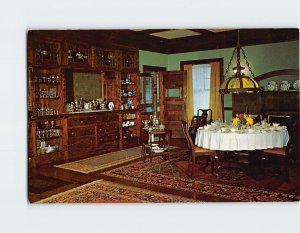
[48,180]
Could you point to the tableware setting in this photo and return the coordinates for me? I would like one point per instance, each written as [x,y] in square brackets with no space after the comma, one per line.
[256,128]
[157,149]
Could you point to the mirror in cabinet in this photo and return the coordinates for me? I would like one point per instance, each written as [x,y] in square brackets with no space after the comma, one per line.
[84,90]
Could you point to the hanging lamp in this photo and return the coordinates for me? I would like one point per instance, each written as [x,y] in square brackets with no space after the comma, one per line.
[239,82]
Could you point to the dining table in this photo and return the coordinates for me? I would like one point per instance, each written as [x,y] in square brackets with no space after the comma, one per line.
[253,141]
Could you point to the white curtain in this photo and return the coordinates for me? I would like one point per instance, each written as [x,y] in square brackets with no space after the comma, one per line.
[201,86]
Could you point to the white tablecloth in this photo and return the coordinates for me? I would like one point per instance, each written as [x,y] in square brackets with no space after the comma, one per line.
[241,141]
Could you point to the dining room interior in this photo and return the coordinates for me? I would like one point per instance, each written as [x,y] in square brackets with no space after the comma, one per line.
[163,115]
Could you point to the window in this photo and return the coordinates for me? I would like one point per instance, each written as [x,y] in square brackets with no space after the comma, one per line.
[201,86]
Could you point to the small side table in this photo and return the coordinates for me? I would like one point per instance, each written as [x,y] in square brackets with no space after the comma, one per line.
[149,138]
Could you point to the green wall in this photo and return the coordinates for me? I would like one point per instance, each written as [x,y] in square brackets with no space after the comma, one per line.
[262,59]
[152,59]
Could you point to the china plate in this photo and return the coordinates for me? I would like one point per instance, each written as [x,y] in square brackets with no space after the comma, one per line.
[284,85]
[296,85]
[272,86]
[111,106]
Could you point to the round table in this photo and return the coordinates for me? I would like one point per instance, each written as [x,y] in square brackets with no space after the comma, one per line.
[243,140]
[254,143]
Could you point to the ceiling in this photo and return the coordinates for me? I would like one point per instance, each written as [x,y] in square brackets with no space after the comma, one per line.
[188,40]
[170,41]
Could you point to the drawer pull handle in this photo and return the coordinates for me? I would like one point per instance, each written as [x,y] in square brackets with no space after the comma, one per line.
[72,133]
[81,121]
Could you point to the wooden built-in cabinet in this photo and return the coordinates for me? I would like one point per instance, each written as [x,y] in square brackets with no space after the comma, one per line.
[67,136]
[46,138]
[92,133]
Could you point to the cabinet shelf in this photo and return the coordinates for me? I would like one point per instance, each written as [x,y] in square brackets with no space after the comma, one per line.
[131,96]
[126,127]
[48,84]
[49,138]
[48,98]
[128,84]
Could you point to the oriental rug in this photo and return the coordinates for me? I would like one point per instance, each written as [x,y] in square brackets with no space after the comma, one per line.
[101,191]
[172,175]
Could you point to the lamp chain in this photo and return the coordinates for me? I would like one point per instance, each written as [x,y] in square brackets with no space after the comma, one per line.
[247,63]
[230,62]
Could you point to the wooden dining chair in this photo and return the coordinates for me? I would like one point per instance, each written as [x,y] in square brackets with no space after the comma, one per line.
[196,122]
[288,153]
[209,155]
[207,114]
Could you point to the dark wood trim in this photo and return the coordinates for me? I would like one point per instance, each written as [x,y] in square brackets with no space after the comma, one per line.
[227,108]
[142,40]
[202,61]
[276,73]
[147,68]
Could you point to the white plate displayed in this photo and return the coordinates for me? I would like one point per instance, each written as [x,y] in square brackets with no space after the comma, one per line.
[296,85]
[284,85]
[111,105]
[272,86]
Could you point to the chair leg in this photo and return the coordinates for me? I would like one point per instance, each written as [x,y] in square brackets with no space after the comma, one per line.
[208,161]
[286,167]
[193,166]
[212,164]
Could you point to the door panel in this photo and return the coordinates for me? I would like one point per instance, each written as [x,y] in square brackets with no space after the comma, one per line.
[173,101]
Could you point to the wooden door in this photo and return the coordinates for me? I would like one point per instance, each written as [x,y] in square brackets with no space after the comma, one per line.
[173,101]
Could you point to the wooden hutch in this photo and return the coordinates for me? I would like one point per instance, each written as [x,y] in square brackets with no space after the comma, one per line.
[54,133]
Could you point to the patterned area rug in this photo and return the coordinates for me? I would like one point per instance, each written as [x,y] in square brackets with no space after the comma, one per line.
[104,161]
[165,173]
[101,191]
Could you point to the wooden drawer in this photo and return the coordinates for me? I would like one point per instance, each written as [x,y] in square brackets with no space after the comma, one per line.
[78,121]
[108,146]
[81,142]
[107,128]
[108,137]
[81,131]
